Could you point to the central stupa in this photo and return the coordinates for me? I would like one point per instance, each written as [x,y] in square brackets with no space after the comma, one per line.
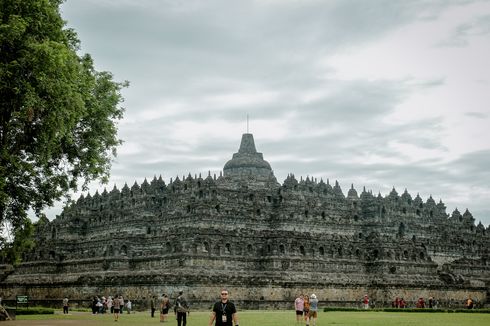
[248,162]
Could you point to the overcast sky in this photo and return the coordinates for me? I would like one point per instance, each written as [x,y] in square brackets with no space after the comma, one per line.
[380,94]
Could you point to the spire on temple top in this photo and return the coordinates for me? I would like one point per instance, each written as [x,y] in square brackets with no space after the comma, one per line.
[247,124]
[247,145]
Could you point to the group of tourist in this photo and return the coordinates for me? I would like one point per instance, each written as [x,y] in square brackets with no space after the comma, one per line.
[102,305]
[115,305]
[420,303]
[432,303]
[399,303]
[306,309]
[181,308]
[224,311]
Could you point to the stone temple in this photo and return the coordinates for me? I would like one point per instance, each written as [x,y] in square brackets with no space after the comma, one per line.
[263,240]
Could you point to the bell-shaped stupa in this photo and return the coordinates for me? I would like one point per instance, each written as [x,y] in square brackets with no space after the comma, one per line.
[247,162]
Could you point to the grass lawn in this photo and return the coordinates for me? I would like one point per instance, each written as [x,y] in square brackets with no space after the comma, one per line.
[263,318]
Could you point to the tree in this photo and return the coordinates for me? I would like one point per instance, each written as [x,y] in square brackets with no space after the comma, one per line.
[24,241]
[58,115]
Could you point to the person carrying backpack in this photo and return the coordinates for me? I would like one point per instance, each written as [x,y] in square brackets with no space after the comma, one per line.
[181,309]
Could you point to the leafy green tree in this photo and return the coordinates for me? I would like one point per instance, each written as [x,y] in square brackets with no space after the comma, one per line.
[24,241]
[58,115]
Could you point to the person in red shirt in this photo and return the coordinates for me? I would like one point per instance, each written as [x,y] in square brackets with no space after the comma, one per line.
[396,303]
[365,301]
[403,304]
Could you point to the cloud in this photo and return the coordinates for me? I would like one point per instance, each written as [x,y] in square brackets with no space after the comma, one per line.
[362,92]
[477,27]
[477,115]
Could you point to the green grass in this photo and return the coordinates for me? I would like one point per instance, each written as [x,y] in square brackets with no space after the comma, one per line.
[277,318]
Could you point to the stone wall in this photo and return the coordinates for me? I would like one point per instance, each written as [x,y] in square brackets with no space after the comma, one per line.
[261,296]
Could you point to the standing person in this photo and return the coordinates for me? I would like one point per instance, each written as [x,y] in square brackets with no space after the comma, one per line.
[109,305]
[65,305]
[122,304]
[117,302]
[299,305]
[164,306]
[403,304]
[396,303]
[152,306]
[306,309]
[313,309]
[224,312]
[181,309]
[365,301]
[99,306]
[431,302]
[94,305]
[129,306]
[469,303]
[104,305]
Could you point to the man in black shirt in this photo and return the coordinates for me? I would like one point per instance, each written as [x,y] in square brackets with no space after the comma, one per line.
[181,310]
[224,312]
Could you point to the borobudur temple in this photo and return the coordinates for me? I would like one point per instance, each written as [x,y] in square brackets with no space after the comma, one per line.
[263,240]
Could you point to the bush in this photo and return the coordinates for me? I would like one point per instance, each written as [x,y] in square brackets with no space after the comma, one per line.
[415,310]
[34,311]
[419,310]
[474,311]
[343,309]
